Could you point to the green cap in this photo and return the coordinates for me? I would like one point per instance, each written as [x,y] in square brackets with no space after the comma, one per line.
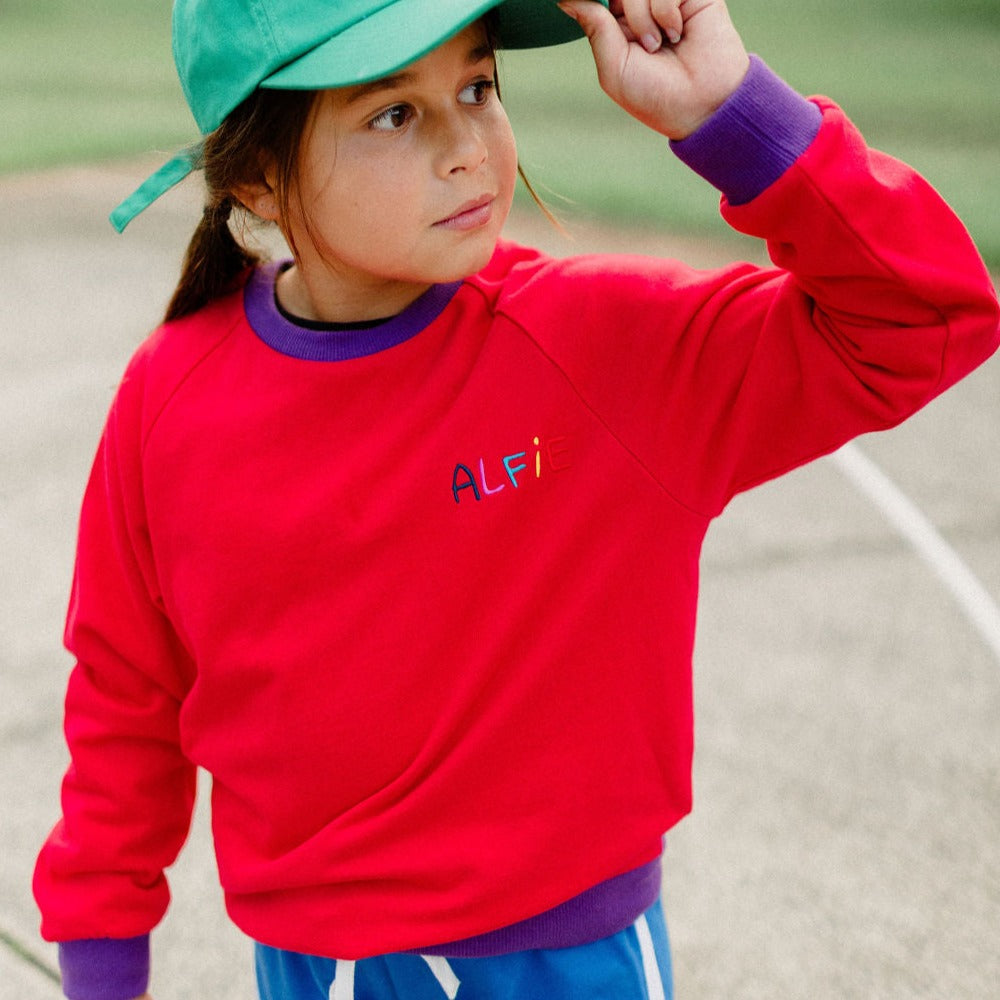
[226,49]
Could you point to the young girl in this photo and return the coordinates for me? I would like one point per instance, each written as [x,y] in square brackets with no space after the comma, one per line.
[399,539]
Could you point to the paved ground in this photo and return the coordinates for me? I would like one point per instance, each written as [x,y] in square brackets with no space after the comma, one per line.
[846,837]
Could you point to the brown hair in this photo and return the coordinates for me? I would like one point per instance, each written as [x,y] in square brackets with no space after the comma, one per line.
[265,129]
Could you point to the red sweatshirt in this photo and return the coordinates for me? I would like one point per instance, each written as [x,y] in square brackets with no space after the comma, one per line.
[424,604]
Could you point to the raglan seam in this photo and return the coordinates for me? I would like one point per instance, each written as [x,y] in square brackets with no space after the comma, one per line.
[630,451]
[182,380]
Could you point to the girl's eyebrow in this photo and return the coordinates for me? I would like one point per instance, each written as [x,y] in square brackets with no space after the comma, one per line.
[477,54]
[362,90]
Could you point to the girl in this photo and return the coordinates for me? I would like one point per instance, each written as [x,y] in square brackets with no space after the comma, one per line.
[399,539]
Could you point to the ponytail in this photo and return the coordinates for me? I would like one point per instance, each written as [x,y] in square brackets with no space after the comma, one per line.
[212,264]
[266,128]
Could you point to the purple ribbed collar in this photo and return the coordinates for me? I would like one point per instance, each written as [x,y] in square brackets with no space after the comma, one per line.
[296,341]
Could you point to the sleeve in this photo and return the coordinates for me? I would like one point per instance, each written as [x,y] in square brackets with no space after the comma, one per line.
[128,794]
[880,301]
[720,380]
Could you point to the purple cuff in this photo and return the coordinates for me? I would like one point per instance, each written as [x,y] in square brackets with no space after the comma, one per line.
[105,968]
[753,138]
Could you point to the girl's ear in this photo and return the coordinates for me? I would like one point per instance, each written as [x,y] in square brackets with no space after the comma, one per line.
[259,198]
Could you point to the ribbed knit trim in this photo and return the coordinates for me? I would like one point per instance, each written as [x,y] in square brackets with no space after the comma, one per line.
[105,968]
[753,138]
[597,913]
[284,335]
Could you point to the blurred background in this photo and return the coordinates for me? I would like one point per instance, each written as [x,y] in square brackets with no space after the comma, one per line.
[846,837]
[87,82]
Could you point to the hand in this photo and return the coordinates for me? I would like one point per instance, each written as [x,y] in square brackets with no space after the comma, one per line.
[668,63]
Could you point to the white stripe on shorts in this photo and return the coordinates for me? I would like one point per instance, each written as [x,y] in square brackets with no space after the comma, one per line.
[444,974]
[651,968]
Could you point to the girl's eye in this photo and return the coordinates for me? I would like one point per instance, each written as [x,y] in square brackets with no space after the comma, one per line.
[392,119]
[478,92]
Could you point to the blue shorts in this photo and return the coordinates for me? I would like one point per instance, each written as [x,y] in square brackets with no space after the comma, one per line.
[631,965]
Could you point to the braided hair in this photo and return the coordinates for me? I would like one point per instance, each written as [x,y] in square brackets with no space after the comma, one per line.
[266,129]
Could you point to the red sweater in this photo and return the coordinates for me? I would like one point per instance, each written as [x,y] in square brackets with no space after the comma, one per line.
[426,614]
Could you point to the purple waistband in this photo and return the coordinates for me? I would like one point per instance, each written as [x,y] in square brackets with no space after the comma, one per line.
[599,912]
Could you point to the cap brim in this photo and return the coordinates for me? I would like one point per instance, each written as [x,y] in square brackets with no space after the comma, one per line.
[403,32]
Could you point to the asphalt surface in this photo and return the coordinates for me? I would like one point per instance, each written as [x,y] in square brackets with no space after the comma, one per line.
[846,834]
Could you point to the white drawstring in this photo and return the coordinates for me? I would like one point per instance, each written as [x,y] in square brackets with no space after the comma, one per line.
[342,987]
[444,974]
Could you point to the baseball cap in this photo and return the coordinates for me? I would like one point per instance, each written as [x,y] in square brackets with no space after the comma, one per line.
[225,49]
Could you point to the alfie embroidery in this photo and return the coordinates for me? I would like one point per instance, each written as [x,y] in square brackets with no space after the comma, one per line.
[552,455]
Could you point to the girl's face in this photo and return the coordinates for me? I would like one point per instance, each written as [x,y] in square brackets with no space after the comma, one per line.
[402,183]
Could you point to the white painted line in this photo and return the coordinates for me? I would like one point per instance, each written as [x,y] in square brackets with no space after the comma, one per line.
[972,597]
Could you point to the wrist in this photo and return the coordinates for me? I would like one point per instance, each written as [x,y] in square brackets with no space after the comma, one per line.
[727,81]
[753,137]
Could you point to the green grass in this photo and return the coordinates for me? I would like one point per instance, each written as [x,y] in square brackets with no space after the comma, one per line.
[88,82]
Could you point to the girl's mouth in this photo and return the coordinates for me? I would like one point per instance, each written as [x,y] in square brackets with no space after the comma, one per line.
[471,215]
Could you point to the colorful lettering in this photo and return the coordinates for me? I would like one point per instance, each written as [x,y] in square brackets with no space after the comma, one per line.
[557,451]
[513,470]
[456,486]
[551,454]
[482,480]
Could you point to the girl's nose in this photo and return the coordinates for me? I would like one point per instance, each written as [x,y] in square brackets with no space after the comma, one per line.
[462,145]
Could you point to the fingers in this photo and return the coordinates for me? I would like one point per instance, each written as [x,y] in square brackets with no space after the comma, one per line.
[613,29]
[650,21]
[606,36]
[672,90]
